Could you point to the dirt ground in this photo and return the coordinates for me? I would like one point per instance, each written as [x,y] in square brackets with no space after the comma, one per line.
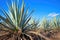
[56,36]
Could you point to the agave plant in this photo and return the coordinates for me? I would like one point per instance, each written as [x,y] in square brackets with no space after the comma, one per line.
[46,24]
[56,22]
[15,19]
[34,24]
[53,23]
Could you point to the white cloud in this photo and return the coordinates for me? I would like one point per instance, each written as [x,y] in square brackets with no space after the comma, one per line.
[53,14]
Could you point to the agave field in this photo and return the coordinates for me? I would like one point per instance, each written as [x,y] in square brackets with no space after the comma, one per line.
[17,24]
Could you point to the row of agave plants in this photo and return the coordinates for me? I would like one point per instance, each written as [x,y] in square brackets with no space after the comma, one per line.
[50,26]
[17,22]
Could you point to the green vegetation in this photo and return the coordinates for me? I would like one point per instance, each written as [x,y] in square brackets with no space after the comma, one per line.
[50,24]
[17,19]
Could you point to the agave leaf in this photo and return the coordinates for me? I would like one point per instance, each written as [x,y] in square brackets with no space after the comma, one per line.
[7,16]
[21,15]
[24,17]
[6,21]
[27,22]
[28,17]
[6,26]
[11,9]
[27,28]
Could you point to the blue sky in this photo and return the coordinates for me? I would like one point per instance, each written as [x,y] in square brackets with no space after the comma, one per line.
[48,8]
